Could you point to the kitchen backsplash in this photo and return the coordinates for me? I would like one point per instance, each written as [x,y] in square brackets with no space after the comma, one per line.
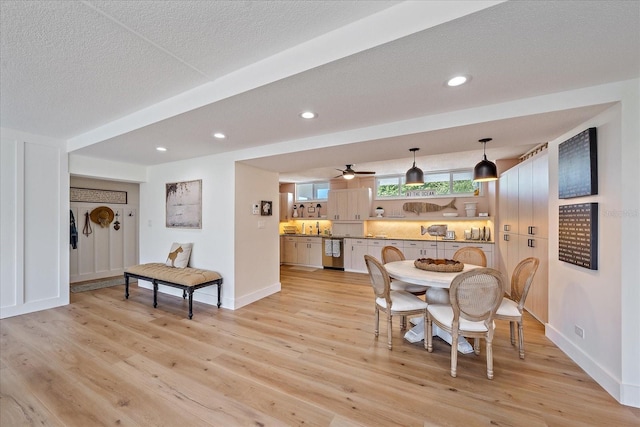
[392,229]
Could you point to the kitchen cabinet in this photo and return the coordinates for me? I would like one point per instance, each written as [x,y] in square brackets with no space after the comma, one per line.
[538,297]
[450,249]
[508,202]
[309,251]
[286,206]
[337,204]
[507,256]
[374,247]
[290,252]
[349,205]
[539,218]
[523,226]
[354,252]
[413,249]
[302,251]
[356,249]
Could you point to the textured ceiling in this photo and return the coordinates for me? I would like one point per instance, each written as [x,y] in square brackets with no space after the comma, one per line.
[117,78]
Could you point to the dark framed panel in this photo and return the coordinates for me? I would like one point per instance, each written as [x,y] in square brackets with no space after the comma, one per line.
[578,235]
[578,165]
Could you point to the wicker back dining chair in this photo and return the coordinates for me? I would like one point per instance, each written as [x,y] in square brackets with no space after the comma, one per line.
[512,305]
[475,296]
[471,255]
[391,302]
[391,254]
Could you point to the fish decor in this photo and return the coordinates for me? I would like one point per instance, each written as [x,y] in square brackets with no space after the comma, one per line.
[419,207]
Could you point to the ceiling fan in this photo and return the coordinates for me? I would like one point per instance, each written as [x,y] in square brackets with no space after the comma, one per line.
[349,173]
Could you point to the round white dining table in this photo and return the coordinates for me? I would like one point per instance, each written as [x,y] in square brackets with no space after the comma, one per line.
[408,272]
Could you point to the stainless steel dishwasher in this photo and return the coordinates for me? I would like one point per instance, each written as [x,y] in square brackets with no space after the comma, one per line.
[333,252]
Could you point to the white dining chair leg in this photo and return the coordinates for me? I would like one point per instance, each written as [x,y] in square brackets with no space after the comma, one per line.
[476,346]
[454,352]
[521,339]
[428,334]
[376,319]
[389,329]
[489,358]
[425,330]
[512,325]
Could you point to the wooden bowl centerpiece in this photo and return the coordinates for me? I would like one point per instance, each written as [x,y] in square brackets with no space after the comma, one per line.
[441,265]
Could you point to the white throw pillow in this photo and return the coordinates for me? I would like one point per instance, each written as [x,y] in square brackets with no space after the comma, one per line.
[179,255]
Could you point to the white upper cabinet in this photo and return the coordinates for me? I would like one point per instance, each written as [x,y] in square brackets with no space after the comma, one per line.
[349,205]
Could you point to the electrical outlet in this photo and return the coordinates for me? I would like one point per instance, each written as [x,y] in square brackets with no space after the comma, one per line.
[579,331]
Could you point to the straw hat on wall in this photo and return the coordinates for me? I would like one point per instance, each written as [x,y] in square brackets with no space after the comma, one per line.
[102,215]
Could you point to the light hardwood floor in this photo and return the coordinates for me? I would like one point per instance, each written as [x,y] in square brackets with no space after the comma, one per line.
[305,356]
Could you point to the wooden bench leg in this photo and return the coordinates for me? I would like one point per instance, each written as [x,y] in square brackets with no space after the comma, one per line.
[126,286]
[155,294]
[190,302]
[219,301]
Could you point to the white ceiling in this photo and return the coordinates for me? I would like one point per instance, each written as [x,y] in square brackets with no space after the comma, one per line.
[118,78]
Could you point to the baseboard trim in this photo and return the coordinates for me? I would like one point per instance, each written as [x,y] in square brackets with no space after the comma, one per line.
[626,394]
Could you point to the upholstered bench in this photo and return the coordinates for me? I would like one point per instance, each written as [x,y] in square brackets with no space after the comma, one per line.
[188,279]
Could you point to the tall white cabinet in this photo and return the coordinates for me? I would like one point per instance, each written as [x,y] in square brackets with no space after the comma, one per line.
[523,226]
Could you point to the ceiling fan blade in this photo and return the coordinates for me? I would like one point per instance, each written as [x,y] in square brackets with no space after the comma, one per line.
[363,173]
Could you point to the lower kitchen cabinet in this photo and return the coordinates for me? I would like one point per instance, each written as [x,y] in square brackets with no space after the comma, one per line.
[414,249]
[450,249]
[354,252]
[289,250]
[310,251]
[299,250]
[356,249]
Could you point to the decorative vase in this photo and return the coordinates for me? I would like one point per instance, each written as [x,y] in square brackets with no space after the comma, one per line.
[470,208]
[379,212]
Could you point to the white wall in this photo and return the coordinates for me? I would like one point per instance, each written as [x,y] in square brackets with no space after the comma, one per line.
[603,302]
[34,218]
[257,240]
[105,169]
[213,244]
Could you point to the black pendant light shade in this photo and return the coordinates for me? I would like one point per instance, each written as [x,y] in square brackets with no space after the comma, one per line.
[485,170]
[414,176]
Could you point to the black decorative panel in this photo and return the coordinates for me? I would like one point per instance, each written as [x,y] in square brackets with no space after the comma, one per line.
[578,165]
[578,235]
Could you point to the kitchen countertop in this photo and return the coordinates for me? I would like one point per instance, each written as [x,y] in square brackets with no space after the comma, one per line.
[390,238]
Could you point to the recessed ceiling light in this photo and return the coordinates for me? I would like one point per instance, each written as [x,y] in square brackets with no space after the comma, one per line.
[161,149]
[308,115]
[219,135]
[457,81]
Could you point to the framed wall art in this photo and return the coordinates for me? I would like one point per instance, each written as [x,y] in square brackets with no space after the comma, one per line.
[266,207]
[578,165]
[578,234]
[184,204]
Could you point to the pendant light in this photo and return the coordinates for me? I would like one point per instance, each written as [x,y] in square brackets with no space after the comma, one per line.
[414,175]
[485,170]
